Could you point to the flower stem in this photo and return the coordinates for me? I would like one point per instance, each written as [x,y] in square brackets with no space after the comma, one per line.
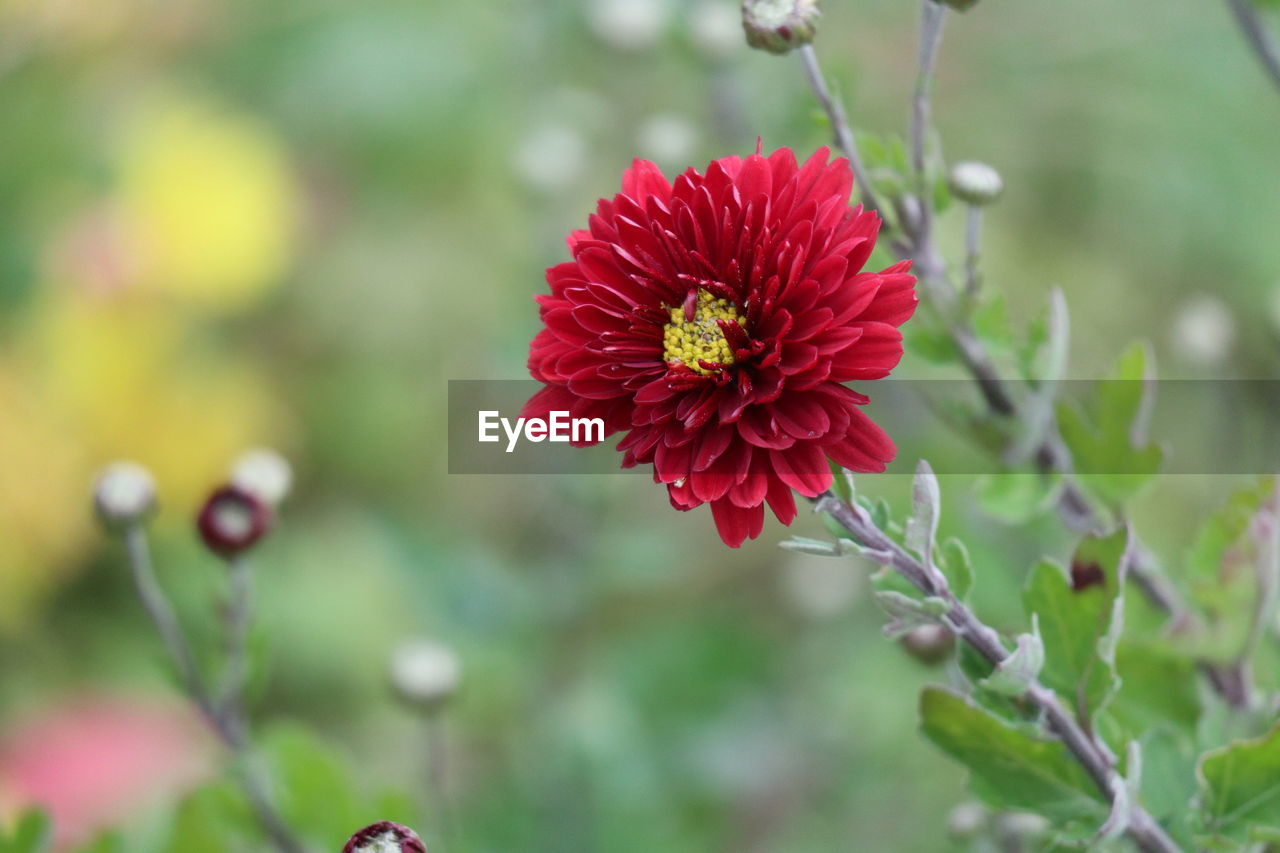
[932,16]
[1092,755]
[1255,33]
[843,133]
[223,717]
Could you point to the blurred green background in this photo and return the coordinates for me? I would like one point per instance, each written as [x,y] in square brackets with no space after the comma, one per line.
[227,223]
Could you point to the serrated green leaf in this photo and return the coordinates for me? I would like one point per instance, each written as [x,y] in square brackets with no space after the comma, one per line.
[1079,623]
[1240,787]
[1105,433]
[1010,770]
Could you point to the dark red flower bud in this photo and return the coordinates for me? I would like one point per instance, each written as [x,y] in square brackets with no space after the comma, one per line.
[385,837]
[232,520]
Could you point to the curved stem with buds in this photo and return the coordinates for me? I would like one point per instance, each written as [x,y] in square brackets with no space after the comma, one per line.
[223,715]
[1092,755]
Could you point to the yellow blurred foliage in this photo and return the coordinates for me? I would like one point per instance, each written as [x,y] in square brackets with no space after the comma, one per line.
[208,202]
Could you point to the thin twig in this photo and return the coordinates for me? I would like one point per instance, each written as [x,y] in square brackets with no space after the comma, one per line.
[1255,33]
[932,16]
[224,717]
[238,617]
[972,251]
[840,128]
[1093,756]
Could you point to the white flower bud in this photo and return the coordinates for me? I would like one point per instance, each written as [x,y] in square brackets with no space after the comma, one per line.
[975,183]
[1203,331]
[425,673]
[263,473]
[124,494]
[967,820]
[549,158]
[779,26]
[629,24]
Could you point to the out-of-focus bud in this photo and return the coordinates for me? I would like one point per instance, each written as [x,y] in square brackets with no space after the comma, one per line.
[667,139]
[959,5]
[975,183]
[929,644]
[124,494]
[966,821]
[233,520]
[264,473]
[630,25]
[385,837]
[779,26]
[1020,826]
[425,673]
[1203,331]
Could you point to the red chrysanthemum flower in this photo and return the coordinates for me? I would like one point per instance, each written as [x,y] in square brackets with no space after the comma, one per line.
[715,320]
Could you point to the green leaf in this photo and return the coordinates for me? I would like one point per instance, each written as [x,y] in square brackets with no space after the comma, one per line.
[1222,573]
[1168,779]
[33,833]
[1240,787]
[1080,623]
[213,819]
[953,560]
[922,528]
[1016,497]
[992,324]
[1157,687]
[1010,769]
[907,613]
[1021,668]
[314,787]
[1106,432]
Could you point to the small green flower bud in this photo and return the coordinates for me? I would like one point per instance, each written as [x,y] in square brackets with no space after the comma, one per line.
[779,26]
[975,183]
[124,494]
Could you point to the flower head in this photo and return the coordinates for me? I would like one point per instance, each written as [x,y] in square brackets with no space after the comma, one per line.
[425,673]
[714,322]
[124,494]
[233,520]
[385,837]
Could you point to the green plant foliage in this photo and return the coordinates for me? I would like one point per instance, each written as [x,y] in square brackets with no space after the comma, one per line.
[1080,622]
[32,833]
[1010,769]
[1106,434]
[1240,789]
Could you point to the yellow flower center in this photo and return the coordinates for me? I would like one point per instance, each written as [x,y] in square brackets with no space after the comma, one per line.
[700,339]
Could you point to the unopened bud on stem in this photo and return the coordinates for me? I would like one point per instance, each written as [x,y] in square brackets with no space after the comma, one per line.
[425,673]
[385,837]
[263,472]
[124,494]
[232,521]
[779,26]
[975,183]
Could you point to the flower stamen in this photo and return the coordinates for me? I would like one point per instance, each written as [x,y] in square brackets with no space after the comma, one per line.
[696,335]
